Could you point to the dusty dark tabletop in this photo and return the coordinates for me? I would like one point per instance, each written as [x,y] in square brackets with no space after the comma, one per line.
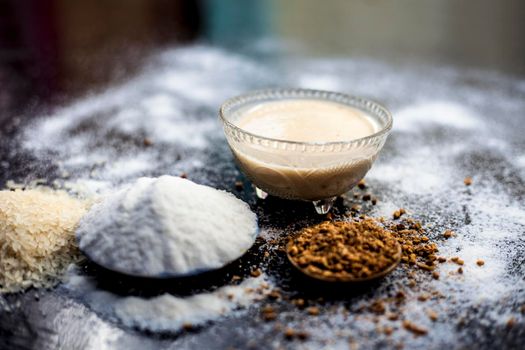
[449,123]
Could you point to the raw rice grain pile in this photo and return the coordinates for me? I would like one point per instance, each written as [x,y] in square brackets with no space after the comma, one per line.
[37,240]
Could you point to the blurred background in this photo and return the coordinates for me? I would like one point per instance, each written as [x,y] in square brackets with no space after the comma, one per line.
[55,48]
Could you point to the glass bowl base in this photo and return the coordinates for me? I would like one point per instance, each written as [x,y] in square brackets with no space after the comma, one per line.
[322,206]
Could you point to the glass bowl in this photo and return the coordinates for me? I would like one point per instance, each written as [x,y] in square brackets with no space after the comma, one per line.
[310,171]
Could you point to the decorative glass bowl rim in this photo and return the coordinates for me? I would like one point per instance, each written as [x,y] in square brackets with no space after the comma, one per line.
[298,93]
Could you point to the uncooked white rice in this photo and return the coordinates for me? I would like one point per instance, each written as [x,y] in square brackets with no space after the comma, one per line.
[37,240]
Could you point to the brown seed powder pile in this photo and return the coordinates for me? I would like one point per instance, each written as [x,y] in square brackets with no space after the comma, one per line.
[344,250]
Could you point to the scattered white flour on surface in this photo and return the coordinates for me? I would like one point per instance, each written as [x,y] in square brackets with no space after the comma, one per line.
[167,312]
[444,114]
[494,219]
[452,124]
[98,335]
[167,226]
[418,171]
[521,161]
[101,136]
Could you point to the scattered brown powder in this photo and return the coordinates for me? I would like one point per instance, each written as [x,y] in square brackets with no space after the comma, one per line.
[448,233]
[289,333]
[400,296]
[274,295]
[355,208]
[423,297]
[256,272]
[239,186]
[378,307]
[398,213]
[313,310]
[236,278]
[302,335]
[415,329]
[393,316]
[432,315]
[298,302]
[268,313]
[416,247]
[425,266]
[457,260]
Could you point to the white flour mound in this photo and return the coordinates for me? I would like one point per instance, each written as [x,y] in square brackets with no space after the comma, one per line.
[167,226]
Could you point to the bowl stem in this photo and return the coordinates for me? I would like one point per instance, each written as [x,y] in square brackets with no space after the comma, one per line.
[260,193]
[323,206]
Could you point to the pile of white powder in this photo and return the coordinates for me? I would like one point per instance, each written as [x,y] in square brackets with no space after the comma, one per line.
[167,226]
